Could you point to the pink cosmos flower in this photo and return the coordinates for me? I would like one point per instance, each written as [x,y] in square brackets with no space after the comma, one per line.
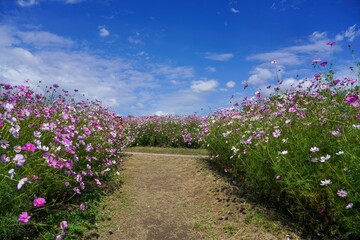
[24,217]
[17,149]
[82,206]
[352,100]
[246,85]
[29,147]
[330,43]
[350,205]
[39,202]
[316,60]
[77,190]
[86,131]
[97,182]
[63,225]
[4,158]
[276,133]
[22,182]
[323,64]
[342,193]
[12,173]
[19,160]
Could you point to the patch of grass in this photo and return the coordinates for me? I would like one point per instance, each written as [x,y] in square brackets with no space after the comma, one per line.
[230,229]
[263,221]
[180,151]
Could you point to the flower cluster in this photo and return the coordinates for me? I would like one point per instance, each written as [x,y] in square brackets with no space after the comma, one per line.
[163,131]
[53,147]
[297,145]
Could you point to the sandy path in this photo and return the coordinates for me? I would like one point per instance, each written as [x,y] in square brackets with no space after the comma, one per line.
[177,197]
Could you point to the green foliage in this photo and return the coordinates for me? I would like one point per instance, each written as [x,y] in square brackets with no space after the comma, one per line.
[55,154]
[163,131]
[288,146]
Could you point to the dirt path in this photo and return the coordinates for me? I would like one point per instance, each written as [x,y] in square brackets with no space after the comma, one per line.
[177,197]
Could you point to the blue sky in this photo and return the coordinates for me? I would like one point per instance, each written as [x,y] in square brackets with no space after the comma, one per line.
[142,57]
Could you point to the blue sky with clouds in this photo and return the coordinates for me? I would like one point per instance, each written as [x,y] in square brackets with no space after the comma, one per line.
[143,57]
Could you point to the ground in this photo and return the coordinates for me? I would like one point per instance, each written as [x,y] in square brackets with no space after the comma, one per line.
[166,197]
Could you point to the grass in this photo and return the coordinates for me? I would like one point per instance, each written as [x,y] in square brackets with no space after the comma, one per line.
[159,150]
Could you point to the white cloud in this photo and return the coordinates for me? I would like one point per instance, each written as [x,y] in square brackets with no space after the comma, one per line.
[351,33]
[218,56]
[289,82]
[27,3]
[173,72]
[234,10]
[287,58]
[103,32]
[161,113]
[184,102]
[281,56]
[204,85]
[133,40]
[230,84]
[128,86]
[260,76]
[44,39]
[283,5]
[210,69]
[73,1]
[317,36]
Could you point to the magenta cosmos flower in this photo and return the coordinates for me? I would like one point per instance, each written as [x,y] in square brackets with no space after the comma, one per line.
[29,147]
[39,202]
[24,217]
[323,64]
[352,100]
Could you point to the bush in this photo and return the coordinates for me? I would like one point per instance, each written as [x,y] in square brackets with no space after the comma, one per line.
[300,149]
[54,150]
[163,131]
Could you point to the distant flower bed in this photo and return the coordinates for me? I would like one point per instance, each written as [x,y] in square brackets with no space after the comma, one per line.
[54,150]
[163,131]
[300,148]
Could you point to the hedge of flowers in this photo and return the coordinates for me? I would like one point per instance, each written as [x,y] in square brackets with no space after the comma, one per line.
[298,147]
[163,131]
[53,151]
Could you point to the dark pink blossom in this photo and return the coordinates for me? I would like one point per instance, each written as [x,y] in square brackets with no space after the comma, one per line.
[323,64]
[330,43]
[246,85]
[39,202]
[29,147]
[352,100]
[24,217]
